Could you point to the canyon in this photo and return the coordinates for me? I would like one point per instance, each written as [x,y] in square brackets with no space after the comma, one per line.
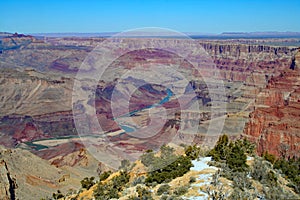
[39,115]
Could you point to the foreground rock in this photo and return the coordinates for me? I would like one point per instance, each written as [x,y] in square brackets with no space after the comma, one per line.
[24,175]
[8,184]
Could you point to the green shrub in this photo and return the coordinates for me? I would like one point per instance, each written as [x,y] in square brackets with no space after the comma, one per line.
[106,191]
[246,146]
[87,183]
[57,195]
[103,176]
[112,188]
[164,197]
[133,198]
[236,158]
[143,193]
[125,164]
[181,190]
[269,157]
[219,152]
[148,158]
[163,189]
[192,152]
[278,192]
[233,153]
[241,181]
[291,169]
[121,180]
[165,167]
[166,151]
[176,169]
[260,170]
[237,193]
[138,180]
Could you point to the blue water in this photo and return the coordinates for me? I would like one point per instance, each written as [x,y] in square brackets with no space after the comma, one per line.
[164,100]
[129,129]
[36,146]
[167,98]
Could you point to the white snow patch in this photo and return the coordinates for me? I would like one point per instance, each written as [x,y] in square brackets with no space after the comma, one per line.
[200,165]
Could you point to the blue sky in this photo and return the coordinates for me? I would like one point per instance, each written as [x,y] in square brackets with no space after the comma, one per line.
[205,16]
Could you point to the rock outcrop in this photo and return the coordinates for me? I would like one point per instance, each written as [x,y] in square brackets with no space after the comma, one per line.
[274,124]
[7,183]
[24,175]
[237,61]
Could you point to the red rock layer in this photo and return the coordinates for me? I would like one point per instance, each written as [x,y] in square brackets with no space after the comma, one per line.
[275,123]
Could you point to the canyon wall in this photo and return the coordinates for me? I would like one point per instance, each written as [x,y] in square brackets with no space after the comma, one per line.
[237,61]
[36,84]
[274,124]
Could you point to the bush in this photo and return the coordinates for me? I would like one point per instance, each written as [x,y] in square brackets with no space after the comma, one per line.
[176,169]
[237,193]
[121,180]
[215,178]
[236,159]
[269,157]
[241,181]
[87,183]
[165,167]
[138,180]
[104,175]
[163,189]
[278,192]
[181,190]
[143,193]
[259,170]
[57,195]
[216,192]
[112,188]
[164,197]
[154,163]
[166,151]
[219,152]
[133,198]
[233,153]
[246,146]
[192,179]
[106,191]
[148,158]
[192,152]
[125,164]
[291,169]
[262,171]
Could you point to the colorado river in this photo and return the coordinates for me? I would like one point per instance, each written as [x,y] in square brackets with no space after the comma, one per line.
[128,128]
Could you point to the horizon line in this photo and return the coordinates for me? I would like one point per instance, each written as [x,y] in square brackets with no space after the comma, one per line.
[184,32]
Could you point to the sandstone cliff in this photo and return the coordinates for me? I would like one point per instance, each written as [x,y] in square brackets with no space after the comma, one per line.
[7,183]
[274,124]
